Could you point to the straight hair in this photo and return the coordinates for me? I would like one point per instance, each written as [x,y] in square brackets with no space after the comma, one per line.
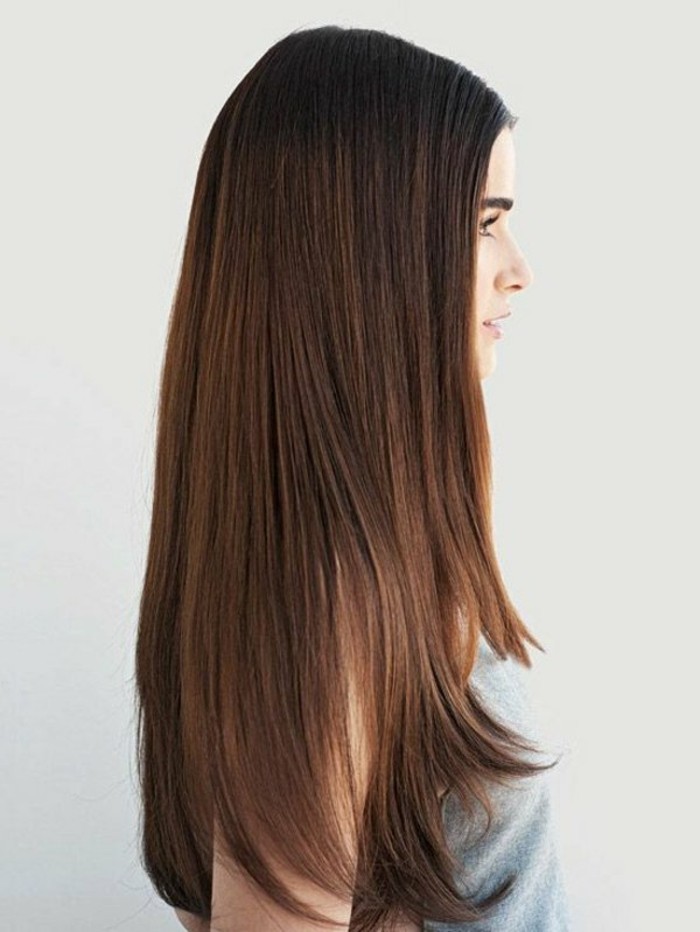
[321,560]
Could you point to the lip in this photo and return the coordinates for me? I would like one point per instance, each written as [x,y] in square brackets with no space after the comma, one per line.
[502,317]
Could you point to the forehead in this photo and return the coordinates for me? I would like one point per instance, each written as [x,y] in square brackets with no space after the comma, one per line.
[501,172]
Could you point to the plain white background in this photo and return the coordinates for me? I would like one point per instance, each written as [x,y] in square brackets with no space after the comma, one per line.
[593,411]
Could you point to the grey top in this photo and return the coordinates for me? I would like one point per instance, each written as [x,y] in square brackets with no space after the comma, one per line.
[522,835]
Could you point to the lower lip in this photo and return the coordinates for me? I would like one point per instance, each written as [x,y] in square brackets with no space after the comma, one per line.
[495,330]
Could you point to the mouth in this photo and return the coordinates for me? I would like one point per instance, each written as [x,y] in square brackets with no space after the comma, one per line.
[494,327]
[494,324]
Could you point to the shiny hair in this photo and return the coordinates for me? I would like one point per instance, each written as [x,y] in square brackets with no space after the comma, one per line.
[321,561]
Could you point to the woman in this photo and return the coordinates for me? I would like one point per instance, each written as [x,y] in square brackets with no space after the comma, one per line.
[331,720]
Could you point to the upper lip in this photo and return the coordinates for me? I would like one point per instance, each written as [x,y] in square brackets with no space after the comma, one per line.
[507,314]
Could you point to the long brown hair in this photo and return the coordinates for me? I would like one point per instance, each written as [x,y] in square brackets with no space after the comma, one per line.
[321,541]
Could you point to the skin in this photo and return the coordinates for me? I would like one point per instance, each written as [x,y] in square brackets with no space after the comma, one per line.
[502,268]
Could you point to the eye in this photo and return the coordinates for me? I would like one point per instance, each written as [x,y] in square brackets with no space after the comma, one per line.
[487,223]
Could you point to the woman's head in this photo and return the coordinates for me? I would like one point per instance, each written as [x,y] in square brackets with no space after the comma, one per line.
[344,177]
[321,522]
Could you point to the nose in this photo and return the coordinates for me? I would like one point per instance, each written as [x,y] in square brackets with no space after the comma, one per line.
[519,274]
[527,275]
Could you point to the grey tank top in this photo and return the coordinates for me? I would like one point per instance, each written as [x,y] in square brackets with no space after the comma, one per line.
[522,836]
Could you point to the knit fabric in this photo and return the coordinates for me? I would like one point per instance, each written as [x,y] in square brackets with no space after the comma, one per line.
[522,836]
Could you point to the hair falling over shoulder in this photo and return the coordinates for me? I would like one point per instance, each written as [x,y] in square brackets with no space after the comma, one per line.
[321,561]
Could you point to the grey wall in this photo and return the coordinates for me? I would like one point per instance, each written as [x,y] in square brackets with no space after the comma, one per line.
[593,411]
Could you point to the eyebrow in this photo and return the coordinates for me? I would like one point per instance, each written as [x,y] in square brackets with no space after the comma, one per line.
[505,203]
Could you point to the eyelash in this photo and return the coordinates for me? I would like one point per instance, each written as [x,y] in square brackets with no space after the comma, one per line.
[487,223]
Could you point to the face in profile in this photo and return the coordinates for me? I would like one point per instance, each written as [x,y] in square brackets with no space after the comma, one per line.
[501,268]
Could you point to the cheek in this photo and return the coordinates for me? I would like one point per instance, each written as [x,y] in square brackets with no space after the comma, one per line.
[481,296]
[482,272]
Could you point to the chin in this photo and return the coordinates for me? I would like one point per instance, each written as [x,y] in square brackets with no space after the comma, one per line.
[487,367]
